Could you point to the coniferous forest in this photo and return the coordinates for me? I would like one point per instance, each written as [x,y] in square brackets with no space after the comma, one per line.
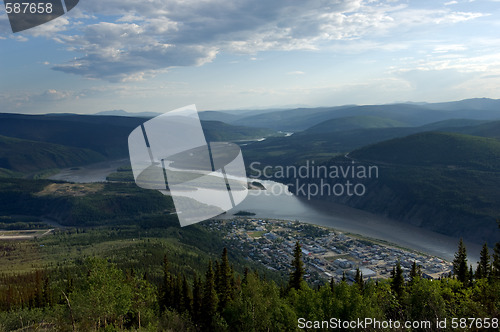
[98,295]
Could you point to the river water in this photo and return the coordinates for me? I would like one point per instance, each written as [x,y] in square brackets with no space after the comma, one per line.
[276,202]
[90,173]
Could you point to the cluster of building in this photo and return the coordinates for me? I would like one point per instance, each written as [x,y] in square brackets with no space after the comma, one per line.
[326,253]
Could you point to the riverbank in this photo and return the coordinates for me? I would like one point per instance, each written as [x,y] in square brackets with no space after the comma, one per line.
[276,202]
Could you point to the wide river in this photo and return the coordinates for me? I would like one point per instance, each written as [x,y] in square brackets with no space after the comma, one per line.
[276,203]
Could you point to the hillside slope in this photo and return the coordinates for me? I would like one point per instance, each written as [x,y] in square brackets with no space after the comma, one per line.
[435,149]
[220,131]
[25,156]
[445,182]
[319,146]
[107,135]
[354,122]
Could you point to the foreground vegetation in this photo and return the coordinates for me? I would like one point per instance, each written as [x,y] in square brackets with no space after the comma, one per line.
[134,288]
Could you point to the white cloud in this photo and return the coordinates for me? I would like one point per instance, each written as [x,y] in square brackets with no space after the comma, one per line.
[49,29]
[24,101]
[127,40]
[296,72]
[127,52]
[449,48]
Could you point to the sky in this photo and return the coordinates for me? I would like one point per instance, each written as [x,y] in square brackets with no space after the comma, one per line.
[158,55]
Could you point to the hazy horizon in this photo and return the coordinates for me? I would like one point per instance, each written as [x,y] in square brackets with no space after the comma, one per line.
[247,109]
[159,55]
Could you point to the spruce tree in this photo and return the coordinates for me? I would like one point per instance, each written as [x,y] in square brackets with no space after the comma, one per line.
[416,271]
[186,296]
[245,276]
[358,279]
[197,299]
[209,302]
[398,281]
[298,271]
[483,266]
[460,263]
[225,281]
[495,266]
[165,288]
[177,293]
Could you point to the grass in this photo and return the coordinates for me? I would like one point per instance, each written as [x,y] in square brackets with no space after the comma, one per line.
[256,234]
[23,232]
[20,257]
[334,257]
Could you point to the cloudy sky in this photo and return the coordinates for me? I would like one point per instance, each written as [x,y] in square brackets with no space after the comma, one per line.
[157,55]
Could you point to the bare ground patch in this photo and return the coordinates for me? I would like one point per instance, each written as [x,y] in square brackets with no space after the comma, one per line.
[71,189]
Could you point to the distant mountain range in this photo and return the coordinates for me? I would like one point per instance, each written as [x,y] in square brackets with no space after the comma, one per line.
[408,114]
[439,162]
[298,119]
[125,113]
[326,140]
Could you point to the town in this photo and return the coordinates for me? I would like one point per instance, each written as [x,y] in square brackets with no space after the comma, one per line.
[327,253]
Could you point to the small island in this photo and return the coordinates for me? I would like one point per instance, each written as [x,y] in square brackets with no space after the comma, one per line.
[244,213]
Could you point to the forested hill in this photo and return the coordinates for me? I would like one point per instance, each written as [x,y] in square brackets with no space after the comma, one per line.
[445,182]
[106,135]
[32,143]
[18,155]
[436,149]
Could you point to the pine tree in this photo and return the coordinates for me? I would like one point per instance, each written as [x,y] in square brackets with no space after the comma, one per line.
[343,276]
[460,263]
[358,279]
[398,280]
[415,272]
[197,299]
[483,266]
[217,275]
[298,272]
[165,287]
[186,300]
[225,281]
[177,293]
[245,276]
[495,266]
[209,302]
